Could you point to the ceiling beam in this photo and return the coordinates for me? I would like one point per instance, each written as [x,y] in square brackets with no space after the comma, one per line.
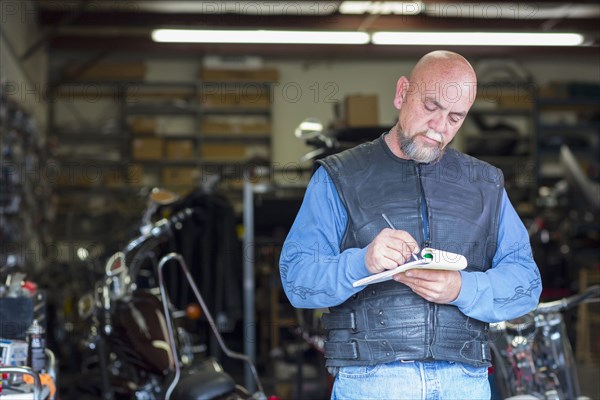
[329,22]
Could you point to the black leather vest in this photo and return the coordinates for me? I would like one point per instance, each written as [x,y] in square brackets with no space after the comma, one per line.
[458,199]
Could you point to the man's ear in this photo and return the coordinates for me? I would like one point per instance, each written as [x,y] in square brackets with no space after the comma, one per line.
[401,91]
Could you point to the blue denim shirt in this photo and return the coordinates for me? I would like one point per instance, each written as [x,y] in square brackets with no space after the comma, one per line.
[315,274]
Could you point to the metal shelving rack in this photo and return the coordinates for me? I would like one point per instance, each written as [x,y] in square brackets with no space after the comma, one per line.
[510,141]
[582,136]
[26,187]
[125,107]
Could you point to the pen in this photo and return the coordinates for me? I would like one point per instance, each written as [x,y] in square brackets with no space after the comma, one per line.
[393,227]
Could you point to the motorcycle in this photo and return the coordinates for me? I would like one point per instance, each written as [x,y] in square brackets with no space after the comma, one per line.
[533,355]
[533,358]
[137,345]
[328,141]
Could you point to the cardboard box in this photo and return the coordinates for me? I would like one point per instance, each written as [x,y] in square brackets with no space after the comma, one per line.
[235,152]
[517,97]
[135,173]
[108,71]
[147,148]
[233,99]
[223,152]
[153,95]
[180,149]
[143,125]
[122,177]
[180,176]
[258,75]
[358,111]
[237,126]
[114,178]
[83,176]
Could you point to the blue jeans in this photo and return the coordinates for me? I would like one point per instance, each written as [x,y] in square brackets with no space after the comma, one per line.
[412,380]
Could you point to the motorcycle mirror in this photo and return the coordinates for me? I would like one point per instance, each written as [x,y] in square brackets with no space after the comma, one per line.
[163,197]
[309,128]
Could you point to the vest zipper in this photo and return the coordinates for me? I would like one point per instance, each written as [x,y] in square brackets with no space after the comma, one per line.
[427,241]
[424,211]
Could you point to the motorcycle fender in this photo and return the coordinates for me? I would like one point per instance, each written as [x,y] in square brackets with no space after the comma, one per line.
[142,321]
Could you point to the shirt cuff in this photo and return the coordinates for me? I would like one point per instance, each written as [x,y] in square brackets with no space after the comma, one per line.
[355,264]
[468,291]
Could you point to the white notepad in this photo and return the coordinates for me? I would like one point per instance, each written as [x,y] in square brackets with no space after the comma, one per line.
[430,259]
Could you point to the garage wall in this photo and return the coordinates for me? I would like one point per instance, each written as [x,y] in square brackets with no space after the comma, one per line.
[311,88]
[26,78]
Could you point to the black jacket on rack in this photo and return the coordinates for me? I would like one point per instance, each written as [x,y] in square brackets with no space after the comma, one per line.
[210,246]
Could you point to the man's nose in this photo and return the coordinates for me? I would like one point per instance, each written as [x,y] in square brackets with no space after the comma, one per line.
[439,122]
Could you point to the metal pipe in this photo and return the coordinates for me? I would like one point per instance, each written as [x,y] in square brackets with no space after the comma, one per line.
[170,331]
[248,280]
[181,262]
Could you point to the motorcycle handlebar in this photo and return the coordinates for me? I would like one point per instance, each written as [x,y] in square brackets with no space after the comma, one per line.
[568,302]
[159,229]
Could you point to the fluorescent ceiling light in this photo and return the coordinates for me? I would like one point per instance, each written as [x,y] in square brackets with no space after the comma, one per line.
[381,7]
[477,38]
[260,36]
[511,10]
[240,7]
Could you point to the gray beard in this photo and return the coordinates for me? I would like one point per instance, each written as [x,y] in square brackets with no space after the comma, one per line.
[420,154]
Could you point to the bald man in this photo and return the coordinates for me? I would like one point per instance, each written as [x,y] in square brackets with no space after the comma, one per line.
[422,334]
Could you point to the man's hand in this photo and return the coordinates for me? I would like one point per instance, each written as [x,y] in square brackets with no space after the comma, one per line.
[389,249]
[437,286]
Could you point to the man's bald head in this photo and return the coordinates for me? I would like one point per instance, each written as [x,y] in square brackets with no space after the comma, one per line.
[444,64]
[445,68]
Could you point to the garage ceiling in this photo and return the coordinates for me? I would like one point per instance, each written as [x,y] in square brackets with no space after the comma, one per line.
[109,26]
